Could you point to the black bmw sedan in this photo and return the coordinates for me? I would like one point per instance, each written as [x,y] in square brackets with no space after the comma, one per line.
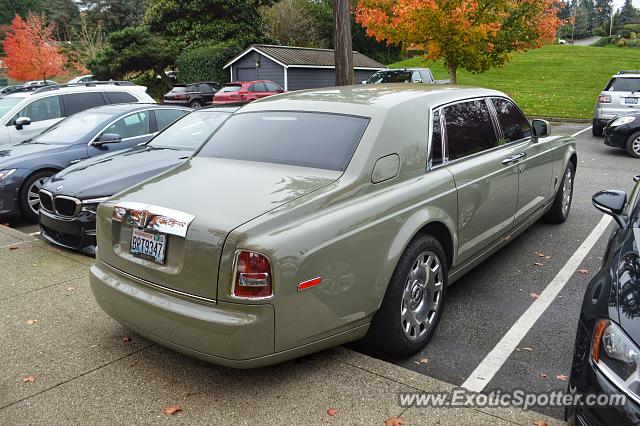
[25,167]
[606,359]
[70,199]
[624,132]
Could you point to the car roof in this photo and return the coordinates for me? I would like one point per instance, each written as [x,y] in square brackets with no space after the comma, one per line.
[368,99]
[124,108]
[626,76]
[80,88]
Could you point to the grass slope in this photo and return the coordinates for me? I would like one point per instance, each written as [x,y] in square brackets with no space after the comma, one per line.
[553,81]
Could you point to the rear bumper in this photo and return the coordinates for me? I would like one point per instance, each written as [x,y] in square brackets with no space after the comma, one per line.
[77,233]
[229,334]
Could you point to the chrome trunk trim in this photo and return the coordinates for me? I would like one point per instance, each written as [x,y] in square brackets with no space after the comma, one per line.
[155,218]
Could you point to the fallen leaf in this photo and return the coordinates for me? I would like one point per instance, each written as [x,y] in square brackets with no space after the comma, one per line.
[126,339]
[583,271]
[540,254]
[32,321]
[394,421]
[94,346]
[29,379]
[534,295]
[528,349]
[538,263]
[424,360]
[547,257]
[13,248]
[172,409]
[542,375]
[562,377]
[6,224]
[34,265]
[332,412]
[541,423]
[71,288]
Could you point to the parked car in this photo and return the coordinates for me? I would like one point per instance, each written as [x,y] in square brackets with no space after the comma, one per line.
[194,95]
[39,83]
[413,75]
[24,168]
[323,216]
[9,89]
[82,79]
[606,356]
[26,114]
[246,91]
[624,132]
[619,97]
[91,181]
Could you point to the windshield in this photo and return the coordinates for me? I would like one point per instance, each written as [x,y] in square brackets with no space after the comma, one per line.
[190,132]
[399,76]
[624,85]
[74,128]
[226,89]
[7,103]
[306,139]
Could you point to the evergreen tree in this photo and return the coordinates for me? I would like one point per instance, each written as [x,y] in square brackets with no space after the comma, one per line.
[628,13]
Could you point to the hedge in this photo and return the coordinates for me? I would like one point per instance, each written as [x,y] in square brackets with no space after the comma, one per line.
[205,63]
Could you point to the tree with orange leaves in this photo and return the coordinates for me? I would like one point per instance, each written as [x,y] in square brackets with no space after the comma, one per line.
[471,34]
[30,53]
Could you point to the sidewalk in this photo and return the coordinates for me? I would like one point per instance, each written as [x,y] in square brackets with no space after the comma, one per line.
[89,369]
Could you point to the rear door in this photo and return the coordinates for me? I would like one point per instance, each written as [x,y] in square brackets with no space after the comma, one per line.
[76,102]
[43,112]
[532,157]
[487,189]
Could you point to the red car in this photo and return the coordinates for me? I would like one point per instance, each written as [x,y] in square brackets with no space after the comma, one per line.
[245,91]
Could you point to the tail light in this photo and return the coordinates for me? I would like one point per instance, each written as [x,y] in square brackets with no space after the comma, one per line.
[604,99]
[252,276]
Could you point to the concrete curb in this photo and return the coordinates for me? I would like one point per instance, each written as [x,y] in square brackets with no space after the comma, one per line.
[564,119]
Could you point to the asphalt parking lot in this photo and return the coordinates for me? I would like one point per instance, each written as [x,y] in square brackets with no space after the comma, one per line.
[487,302]
[481,308]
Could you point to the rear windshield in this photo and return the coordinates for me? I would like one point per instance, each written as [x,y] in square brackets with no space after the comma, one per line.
[306,139]
[229,89]
[624,85]
[191,131]
[400,76]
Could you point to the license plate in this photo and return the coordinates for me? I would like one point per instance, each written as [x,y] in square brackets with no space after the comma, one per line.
[149,245]
[633,101]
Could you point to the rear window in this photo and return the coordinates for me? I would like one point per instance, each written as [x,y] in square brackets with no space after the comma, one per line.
[227,89]
[318,140]
[624,85]
[121,97]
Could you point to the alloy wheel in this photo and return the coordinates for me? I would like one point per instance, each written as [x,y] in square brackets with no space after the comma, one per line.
[33,195]
[422,296]
[635,145]
[196,105]
[567,191]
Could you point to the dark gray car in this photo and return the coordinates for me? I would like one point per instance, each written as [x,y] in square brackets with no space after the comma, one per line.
[25,167]
[69,200]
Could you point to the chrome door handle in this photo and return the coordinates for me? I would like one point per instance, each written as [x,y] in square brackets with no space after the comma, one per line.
[514,158]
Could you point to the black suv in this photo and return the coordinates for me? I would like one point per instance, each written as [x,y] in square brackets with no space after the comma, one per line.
[194,95]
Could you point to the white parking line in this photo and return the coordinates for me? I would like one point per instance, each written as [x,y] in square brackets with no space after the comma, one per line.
[581,131]
[494,360]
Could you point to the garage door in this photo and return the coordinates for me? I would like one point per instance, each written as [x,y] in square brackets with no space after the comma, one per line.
[246,74]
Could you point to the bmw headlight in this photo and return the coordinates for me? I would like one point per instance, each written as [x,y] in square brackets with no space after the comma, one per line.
[617,357]
[621,121]
[91,205]
[6,173]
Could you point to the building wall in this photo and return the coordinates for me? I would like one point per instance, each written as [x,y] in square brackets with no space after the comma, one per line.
[310,78]
[268,69]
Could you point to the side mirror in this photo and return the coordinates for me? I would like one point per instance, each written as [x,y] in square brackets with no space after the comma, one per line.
[21,122]
[540,128]
[108,138]
[612,203]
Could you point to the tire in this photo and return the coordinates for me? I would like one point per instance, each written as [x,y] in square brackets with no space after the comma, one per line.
[29,200]
[409,304]
[633,145]
[597,130]
[197,104]
[562,203]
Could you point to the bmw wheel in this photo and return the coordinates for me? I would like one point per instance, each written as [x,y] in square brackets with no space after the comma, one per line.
[30,194]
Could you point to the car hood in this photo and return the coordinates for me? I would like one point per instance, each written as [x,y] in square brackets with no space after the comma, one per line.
[111,173]
[17,156]
[220,195]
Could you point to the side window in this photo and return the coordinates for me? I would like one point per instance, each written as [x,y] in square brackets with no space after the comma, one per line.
[77,102]
[435,156]
[205,88]
[165,117]
[121,97]
[514,125]
[469,129]
[131,126]
[416,77]
[42,109]
[426,76]
[272,87]
[259,87]
[252,88]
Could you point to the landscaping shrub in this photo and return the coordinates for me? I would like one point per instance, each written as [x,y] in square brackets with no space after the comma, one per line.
[622,42]
[599,31]
[604,41]
[205,63]
[624,33]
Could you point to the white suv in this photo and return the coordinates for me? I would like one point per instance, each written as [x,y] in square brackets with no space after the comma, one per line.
[24,115]
[621,96]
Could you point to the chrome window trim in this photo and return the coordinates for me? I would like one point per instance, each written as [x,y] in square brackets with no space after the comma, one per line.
[429,165]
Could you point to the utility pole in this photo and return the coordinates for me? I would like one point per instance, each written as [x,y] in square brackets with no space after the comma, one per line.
[343,48]
[573,26]
[611,24]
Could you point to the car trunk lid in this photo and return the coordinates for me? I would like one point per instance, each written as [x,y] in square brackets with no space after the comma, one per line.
[204,199]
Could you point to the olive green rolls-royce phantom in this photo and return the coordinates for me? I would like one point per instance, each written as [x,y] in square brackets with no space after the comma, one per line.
[315,218]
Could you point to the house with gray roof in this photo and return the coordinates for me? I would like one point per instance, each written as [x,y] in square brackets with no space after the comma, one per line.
[295,68]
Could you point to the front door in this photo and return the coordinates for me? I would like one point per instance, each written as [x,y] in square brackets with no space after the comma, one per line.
[43,112]
[535,162]
[133,129]
[487,188]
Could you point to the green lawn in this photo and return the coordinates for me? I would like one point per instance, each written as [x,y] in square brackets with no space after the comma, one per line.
[554,81]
